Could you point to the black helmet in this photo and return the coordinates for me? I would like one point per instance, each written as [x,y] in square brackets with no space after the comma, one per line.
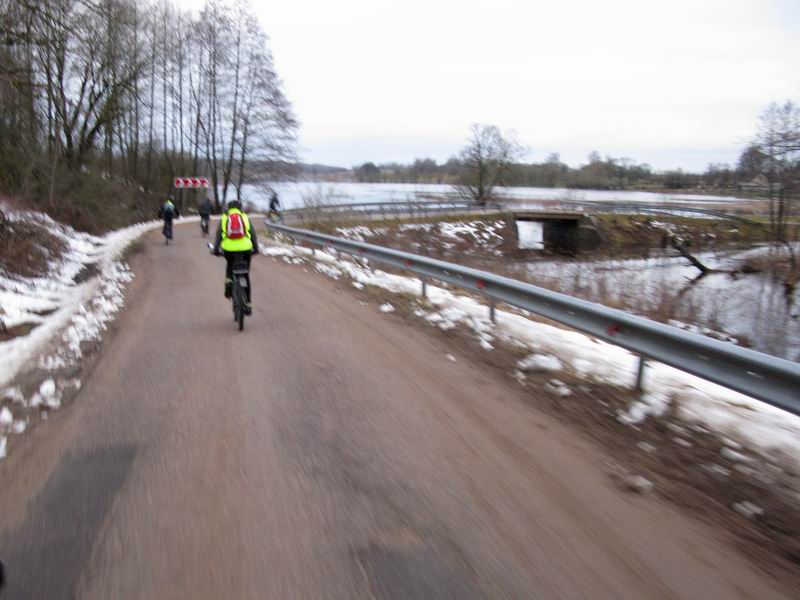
[234,204]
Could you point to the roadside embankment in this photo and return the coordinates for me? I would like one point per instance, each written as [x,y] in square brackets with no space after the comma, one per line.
[59,289]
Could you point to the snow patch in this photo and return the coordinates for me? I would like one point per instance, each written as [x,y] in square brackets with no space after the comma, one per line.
[14,394]
[386,308]
[56,302]
[559,388]
[638,484]
[328,270]
[717,470]
[734,456]
[540,362]
[748,509]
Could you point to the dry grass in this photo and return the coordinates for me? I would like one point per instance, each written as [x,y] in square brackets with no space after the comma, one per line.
[631,235]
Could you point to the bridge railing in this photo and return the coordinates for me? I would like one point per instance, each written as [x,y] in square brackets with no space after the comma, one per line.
[773,380]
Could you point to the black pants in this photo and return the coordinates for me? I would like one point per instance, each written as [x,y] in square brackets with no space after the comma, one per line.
[236,257]
[168,228]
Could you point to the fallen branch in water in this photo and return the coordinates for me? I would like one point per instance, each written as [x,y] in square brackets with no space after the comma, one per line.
[678,244]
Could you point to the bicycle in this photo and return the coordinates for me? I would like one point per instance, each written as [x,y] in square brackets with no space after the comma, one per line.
[239,272]
[273,213]
[204,219]
[167,232]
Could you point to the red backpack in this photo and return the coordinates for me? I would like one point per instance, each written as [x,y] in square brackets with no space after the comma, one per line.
[235,229]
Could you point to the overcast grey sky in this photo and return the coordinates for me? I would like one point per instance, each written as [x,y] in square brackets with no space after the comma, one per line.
[676,83]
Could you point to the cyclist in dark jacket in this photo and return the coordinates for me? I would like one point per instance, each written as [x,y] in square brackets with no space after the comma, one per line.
[204,210]
[168,211]
[274,202]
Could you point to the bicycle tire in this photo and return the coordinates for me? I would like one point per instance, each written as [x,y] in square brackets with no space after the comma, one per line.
[240,305]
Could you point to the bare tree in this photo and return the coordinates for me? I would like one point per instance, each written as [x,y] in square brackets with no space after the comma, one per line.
[778,139]
[135,91]
[486,161]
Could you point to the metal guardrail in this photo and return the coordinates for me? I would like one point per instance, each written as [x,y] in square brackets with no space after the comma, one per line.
[773,380]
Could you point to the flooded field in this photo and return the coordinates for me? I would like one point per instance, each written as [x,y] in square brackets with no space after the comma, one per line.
[296,194]
[752,308]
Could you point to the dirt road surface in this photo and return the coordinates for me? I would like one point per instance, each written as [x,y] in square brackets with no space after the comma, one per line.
[328,451]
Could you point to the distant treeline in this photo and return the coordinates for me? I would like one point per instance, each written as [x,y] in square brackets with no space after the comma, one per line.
[598,173]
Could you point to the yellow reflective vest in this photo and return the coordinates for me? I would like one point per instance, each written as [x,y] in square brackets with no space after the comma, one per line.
[243,244]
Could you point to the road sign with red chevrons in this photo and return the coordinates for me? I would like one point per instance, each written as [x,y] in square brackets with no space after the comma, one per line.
[191,182]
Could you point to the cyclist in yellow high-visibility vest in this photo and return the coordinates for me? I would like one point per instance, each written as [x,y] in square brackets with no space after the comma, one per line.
[237,241]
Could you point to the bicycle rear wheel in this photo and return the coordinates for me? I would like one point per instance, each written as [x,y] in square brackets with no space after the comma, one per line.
[240,304]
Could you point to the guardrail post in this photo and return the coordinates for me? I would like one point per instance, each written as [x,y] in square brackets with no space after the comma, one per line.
[424,287]
[640,374]
[492,316]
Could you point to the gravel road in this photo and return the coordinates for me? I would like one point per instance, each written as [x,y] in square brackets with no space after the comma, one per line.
[328,451]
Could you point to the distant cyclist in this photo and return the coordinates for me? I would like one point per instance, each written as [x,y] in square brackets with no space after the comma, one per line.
[168,212]
[274,206]
[204,210]
[237,241]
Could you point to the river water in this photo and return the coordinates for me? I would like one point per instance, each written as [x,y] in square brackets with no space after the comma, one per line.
[297,194]
[752,308]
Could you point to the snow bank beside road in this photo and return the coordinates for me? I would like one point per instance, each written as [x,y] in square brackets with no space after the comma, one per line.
[765,427]
[54,314]
[63,301]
